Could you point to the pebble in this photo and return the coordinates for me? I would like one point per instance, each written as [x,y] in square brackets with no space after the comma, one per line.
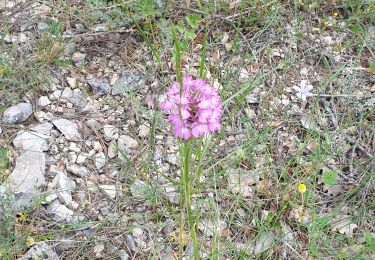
[40,249]
[81,158]
[125,146]
[48,116]
[55,95]
[99,86]
[18,113]
[33,141]
[78,57]
[72,82]
[98,249]
[172,158]
[112,150]
[72,156]
[143,131]
[43,101]
[110,132]
[65,186]
[78,170]
[58,212]
[66,94]
[100,160]
[73,147]
[92,124]
[97,146]
[109,190]
[27,177]
[67,128]
[78,99]
[69,105]
[129,81]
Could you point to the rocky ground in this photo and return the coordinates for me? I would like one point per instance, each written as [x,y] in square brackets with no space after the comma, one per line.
[89,168]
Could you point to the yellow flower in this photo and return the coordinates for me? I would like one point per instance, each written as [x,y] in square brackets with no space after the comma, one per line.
[30,241]
[302,188]
[335,14]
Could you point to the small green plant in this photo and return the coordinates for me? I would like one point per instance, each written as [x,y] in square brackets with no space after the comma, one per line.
[330,178]
[370,242]
[48,49]
[7,221]
[4,161]
[188,33]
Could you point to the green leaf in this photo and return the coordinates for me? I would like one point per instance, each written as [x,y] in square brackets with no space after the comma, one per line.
[3,158]
[322,222]
[180,27]
[193,20]
[190,34]
[370,241]
[371,66]
[330,178]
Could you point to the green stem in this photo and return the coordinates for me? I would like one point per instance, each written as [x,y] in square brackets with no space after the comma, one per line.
[187,154]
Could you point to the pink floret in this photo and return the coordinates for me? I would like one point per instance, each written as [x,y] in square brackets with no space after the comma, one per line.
[196,111]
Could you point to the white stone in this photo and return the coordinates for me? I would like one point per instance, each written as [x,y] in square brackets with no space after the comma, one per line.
[18,113]
[59,212]
[78,56]
[65,186]
[43,101]
[55,95]
[39,115]
[72,82]
[42,128]
[81,158]
[72,156]
[144,131]
[78,170]
[33,141]
[69,105]
[92,124]
[22,37]
[129,141]
[112,150]
[97,146]
[100,160]
[27,177]
[48,116]
[66,95]
[125,146]
[74,205]
[67,128]
[73,147]
[110,132]
[109,190]
[40,249]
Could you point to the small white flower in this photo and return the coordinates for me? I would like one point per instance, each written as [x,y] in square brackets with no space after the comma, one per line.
[303,90]
[304,72]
